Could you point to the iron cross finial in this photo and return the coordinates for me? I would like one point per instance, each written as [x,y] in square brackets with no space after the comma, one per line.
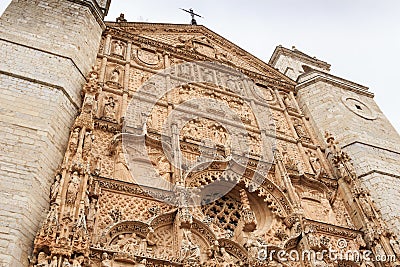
[190,11]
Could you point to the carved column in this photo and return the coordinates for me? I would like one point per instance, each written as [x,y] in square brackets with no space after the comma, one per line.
[125,91]
[177,157]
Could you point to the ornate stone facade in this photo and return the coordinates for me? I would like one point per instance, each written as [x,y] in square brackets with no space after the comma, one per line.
[298,193]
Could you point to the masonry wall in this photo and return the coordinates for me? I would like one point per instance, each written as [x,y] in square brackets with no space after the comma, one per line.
[46,49]
[366,134]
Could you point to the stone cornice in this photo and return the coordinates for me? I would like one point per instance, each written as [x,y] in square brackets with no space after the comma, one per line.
[98,12]
[371,145]
[331,229]
[280,50]
[315,76]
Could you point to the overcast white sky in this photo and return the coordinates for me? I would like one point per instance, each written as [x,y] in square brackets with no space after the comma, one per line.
[359,38]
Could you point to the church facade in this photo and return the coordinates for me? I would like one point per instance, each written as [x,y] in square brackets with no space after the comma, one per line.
[144,144]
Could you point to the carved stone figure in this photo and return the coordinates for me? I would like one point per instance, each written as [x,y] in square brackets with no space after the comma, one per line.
[315,164]
[55,188]
[248,216]
[73,189]
[288,103]
[121,169]
[132,244]
[115,76]
[97,166]
[313,241]
[66,263]
[74,140]
[77,262]
[214,250]
[121,18]
[89,104]
[87,143]
[189,252]
[109,109]
[298,126]
[118,48]
[253,246]
[54,262]
[42,260]
[106,262]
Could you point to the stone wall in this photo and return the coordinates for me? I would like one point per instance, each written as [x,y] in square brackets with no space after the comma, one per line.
[364,132]
[46,46]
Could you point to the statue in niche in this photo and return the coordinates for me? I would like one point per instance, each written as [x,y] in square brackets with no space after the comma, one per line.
[105,262]
[80,226]
[88,103]
[268,94]
[118,48]
[298,126]
[73,189]
[74,140]
[314,161]
[55,187]
[189,252]
[97,166]
[288,160]
[42,260]
[92,213]
[109,109]
[286,100]
[192,131]
[115,76]
[121,169]
[87,143]
[54,262]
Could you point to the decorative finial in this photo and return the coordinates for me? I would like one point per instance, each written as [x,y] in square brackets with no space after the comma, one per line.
[190,11]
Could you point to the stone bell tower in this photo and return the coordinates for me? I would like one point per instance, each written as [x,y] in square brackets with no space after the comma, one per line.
[47,48]
[349,112]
